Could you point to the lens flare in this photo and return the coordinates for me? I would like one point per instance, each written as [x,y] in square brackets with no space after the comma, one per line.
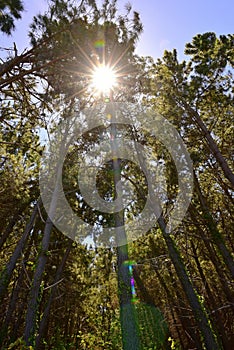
[99,44]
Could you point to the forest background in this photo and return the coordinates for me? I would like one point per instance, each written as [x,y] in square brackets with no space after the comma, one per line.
[60,294]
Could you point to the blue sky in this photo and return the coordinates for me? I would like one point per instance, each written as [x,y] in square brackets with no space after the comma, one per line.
[170,24]
[167,24]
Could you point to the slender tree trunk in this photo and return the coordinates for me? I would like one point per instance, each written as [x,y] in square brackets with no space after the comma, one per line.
[34,294]
[15,309]
[192,336]
[171,301]
[55,173]
[143,291]
[45,317]
[198,311]
[8,228]
[200,315]
[213,258]
[216,235]
[228,173]
[129,326]
[7,272]
[210,300]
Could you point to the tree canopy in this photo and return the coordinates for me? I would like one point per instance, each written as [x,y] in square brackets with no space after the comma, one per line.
[10,11]
[165,289]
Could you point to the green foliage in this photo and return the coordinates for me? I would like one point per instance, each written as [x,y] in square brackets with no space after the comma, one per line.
[78,290]
[10,10]
[174,345]
[19,344]
[72,33]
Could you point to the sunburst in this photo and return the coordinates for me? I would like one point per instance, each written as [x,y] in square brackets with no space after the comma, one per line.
[101,76]
[103,79]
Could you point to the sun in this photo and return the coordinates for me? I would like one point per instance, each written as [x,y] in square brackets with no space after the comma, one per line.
[103,78]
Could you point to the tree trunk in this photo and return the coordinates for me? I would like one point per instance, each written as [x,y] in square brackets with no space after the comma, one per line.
[8,228]
[210,299]
[55,175]
[15,309]
[129,326]
[199,314]
[34,294]
[214,259]
[216,235]
[45,317]
[211,143]
[7,272]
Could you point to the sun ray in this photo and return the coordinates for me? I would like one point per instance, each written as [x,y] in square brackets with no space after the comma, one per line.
[103,79]
[100,74]
[120,57]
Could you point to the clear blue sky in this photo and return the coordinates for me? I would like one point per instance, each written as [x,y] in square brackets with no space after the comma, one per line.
[167,24]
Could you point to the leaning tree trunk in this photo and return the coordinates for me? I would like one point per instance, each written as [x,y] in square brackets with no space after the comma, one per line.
[200,315]
[228,173]
[216,263]
[8,270]
[53,171]
[215,233]
[8,229]
[45,317]
[210,300]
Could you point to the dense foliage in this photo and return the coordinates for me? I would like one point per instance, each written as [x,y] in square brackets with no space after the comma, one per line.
[57,293]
